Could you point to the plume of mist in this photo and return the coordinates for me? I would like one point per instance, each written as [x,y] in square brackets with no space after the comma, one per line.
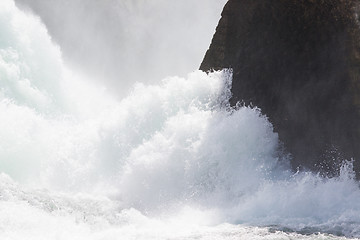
[119,42]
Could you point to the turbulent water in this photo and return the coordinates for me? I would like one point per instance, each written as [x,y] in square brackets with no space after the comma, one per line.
[169,161]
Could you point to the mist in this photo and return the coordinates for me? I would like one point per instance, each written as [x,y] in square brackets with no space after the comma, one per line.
[119,42]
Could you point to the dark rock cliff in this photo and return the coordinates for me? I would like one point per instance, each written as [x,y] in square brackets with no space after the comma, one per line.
[299,61]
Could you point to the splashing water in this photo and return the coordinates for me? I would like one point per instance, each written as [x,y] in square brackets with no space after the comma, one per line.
[169,161]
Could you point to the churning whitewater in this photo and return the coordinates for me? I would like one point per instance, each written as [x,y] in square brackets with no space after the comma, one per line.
[169,161]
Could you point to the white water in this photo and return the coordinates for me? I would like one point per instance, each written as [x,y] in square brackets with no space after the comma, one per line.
[111,39]
[169,161]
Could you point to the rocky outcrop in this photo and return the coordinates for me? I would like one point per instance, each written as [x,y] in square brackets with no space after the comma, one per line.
[299,61]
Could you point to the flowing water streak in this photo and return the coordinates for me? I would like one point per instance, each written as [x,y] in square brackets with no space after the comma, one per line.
[169,161]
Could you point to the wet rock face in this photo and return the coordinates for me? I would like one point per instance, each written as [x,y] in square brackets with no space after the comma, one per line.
[299,61]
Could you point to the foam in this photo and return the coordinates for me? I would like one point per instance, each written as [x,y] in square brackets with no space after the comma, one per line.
[168,156]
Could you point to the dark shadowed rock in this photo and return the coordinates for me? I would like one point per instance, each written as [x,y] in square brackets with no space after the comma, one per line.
[299,61]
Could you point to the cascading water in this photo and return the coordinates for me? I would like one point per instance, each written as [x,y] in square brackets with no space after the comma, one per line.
[169,161]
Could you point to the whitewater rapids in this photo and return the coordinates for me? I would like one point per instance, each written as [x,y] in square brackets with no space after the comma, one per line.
[170,161]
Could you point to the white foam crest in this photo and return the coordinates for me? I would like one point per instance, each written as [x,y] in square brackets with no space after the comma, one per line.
[201,154]
[30,65]
[305,202]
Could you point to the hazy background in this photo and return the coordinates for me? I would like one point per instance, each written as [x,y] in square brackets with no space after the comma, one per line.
[119,42]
